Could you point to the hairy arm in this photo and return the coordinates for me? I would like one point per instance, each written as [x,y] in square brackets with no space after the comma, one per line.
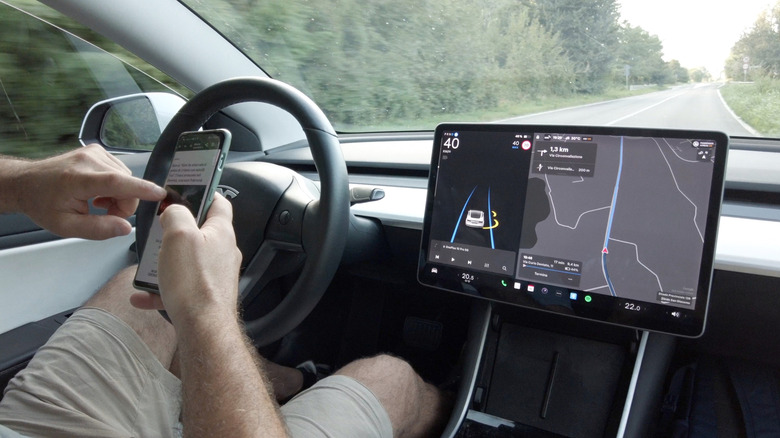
[225,392]
[55,192]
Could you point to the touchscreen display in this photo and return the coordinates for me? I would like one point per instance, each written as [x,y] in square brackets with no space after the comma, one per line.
[610,224]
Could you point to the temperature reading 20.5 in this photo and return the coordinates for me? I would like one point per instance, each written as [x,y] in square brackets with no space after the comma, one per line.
[452,143]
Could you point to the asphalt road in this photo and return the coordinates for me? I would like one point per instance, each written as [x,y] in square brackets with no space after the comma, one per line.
[687,107]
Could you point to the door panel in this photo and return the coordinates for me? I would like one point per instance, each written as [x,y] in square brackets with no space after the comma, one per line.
[47,278]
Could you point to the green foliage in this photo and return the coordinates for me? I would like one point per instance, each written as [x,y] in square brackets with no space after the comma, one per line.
[757,104]
[758,48]
[588,31]
[642,52]
[676,72]
[382,62]
[49,79]
[403,60]
[395,64]
[699,74]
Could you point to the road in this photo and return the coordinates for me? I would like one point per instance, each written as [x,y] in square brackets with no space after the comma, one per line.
[696,106]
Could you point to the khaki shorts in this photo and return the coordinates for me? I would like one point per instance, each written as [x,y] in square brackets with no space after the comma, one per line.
[96,378]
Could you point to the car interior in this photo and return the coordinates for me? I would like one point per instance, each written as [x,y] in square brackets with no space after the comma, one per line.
[557,279]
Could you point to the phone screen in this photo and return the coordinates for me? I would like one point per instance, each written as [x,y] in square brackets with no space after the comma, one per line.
[193,177]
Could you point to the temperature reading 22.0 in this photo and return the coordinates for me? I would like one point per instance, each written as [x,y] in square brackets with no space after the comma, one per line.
[633,307]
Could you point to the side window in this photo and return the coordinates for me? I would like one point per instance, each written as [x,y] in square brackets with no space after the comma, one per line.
[49,78]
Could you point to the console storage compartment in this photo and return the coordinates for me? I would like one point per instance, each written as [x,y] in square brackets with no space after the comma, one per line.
[538,377]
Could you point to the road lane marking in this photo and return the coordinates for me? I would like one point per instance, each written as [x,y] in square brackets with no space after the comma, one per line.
[644,109]
[749,128]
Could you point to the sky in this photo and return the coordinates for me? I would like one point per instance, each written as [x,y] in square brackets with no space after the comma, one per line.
[698,33]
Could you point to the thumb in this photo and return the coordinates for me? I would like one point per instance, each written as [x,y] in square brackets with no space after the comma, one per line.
[221,210]
[177,216]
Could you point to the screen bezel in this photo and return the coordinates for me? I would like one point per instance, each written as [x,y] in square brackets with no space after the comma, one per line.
[653,316]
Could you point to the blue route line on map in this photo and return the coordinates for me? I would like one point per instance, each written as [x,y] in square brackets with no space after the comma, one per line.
[609,223]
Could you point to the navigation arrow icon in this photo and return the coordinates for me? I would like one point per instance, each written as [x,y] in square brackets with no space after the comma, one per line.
[605,250]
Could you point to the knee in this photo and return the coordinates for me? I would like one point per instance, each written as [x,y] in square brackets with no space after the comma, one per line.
[383,367]
[414,407]
[388,365]
[387,362]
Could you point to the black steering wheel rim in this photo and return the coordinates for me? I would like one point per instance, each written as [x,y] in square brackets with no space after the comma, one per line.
[331,211]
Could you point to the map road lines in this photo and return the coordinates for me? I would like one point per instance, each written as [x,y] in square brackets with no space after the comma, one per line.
[605,250]
[613,200]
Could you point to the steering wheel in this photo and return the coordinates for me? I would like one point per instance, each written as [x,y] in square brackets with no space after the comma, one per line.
[281,219]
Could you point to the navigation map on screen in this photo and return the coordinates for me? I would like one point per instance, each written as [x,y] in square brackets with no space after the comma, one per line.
[629,223]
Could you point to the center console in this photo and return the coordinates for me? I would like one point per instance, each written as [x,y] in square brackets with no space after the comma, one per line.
[529,376]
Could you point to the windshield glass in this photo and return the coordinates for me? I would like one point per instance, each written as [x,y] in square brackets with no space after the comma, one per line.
[379,65]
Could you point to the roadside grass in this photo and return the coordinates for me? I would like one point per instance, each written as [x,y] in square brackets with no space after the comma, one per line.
[503,110]
[757,104]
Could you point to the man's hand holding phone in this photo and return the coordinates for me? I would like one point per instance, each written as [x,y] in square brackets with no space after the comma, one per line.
[195,170]
[198,267]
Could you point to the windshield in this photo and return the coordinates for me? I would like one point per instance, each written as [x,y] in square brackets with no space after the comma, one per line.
[379,65]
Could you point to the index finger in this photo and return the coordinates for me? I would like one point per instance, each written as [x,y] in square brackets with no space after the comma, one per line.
[120,186]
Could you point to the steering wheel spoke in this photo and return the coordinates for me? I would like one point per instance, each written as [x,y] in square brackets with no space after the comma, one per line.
[273,260]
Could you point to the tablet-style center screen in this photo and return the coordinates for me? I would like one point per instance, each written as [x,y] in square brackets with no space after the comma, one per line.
[616,225]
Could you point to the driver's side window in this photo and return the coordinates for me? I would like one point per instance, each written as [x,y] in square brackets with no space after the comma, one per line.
[49,78]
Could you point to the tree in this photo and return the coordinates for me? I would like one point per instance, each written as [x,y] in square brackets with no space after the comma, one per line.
[676,72]
[759,48]
[700,74]
[643,53]
[588,32]
[369,64]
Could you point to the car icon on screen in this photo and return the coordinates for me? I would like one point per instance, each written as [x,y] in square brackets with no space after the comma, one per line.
[475,219]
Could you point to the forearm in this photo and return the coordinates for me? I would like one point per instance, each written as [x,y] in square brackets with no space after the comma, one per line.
[224,391]
[11,186]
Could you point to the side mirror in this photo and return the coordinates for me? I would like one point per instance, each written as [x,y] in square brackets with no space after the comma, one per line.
[131,123]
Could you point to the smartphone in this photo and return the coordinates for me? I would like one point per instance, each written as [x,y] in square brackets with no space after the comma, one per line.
[194,175]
